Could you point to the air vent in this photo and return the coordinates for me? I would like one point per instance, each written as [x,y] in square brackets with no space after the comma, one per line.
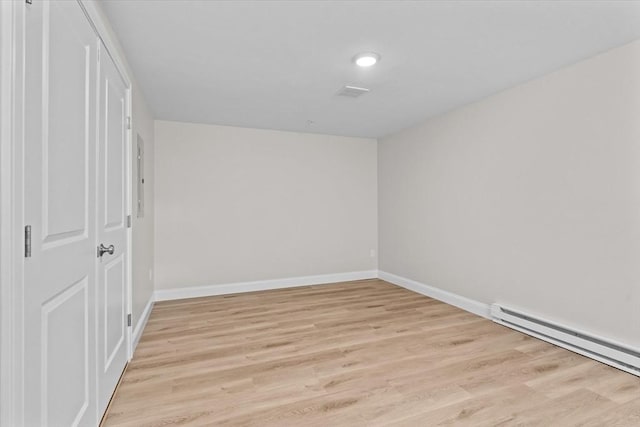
[352,91]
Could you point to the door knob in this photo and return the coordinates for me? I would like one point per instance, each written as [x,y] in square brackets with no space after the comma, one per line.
[102,249]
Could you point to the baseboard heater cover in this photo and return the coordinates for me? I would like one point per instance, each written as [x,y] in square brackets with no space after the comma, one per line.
[605,351]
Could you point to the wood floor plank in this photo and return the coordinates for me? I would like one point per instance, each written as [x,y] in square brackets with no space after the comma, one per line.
[363,353]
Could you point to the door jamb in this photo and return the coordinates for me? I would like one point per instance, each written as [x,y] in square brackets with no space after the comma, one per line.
[129,203]
[12,19]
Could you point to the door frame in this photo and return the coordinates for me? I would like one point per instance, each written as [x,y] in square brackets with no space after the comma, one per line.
[11,209]
[12,122]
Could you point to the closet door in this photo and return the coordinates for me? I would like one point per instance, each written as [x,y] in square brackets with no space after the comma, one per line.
[112,230]
[60,271]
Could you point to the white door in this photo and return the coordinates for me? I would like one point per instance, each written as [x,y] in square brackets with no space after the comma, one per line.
[76,300]
[112,229]
[60,276]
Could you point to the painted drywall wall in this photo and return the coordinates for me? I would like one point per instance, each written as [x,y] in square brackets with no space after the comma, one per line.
[530,198]
[236,205]
[142,228]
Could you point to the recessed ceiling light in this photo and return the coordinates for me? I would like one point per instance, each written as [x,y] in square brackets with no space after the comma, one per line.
[366,59]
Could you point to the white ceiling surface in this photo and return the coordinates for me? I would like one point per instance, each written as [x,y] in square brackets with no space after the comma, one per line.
[279,64]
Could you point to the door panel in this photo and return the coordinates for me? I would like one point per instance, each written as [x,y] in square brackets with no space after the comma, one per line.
[67,61]
[115,116]
[112,229]
[65,340]
[114,309]
[60,276]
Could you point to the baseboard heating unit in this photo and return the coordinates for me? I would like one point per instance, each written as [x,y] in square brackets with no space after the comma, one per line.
[613,354]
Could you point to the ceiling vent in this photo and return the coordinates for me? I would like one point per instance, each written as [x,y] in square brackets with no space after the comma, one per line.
[352,91]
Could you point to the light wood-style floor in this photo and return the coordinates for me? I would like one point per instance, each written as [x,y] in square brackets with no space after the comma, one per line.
[363,353]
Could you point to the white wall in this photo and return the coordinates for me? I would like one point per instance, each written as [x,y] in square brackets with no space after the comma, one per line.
[143,228]
[236,205]
[530,198]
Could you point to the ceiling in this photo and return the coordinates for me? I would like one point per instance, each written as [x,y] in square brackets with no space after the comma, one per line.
[280,64]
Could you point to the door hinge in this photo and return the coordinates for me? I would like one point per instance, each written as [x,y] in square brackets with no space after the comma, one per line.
[129,319]
[128,122]
[27,241]
[128,221]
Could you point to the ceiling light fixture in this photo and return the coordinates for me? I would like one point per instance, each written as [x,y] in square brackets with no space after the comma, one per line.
[366,59]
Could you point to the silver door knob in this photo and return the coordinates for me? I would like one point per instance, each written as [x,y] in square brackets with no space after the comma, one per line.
[102,249]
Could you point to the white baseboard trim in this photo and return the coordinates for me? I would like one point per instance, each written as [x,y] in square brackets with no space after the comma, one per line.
[450,298]
[261,285]
[142,322]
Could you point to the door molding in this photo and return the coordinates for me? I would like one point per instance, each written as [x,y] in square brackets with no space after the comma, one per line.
[11,209]
[100,25]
